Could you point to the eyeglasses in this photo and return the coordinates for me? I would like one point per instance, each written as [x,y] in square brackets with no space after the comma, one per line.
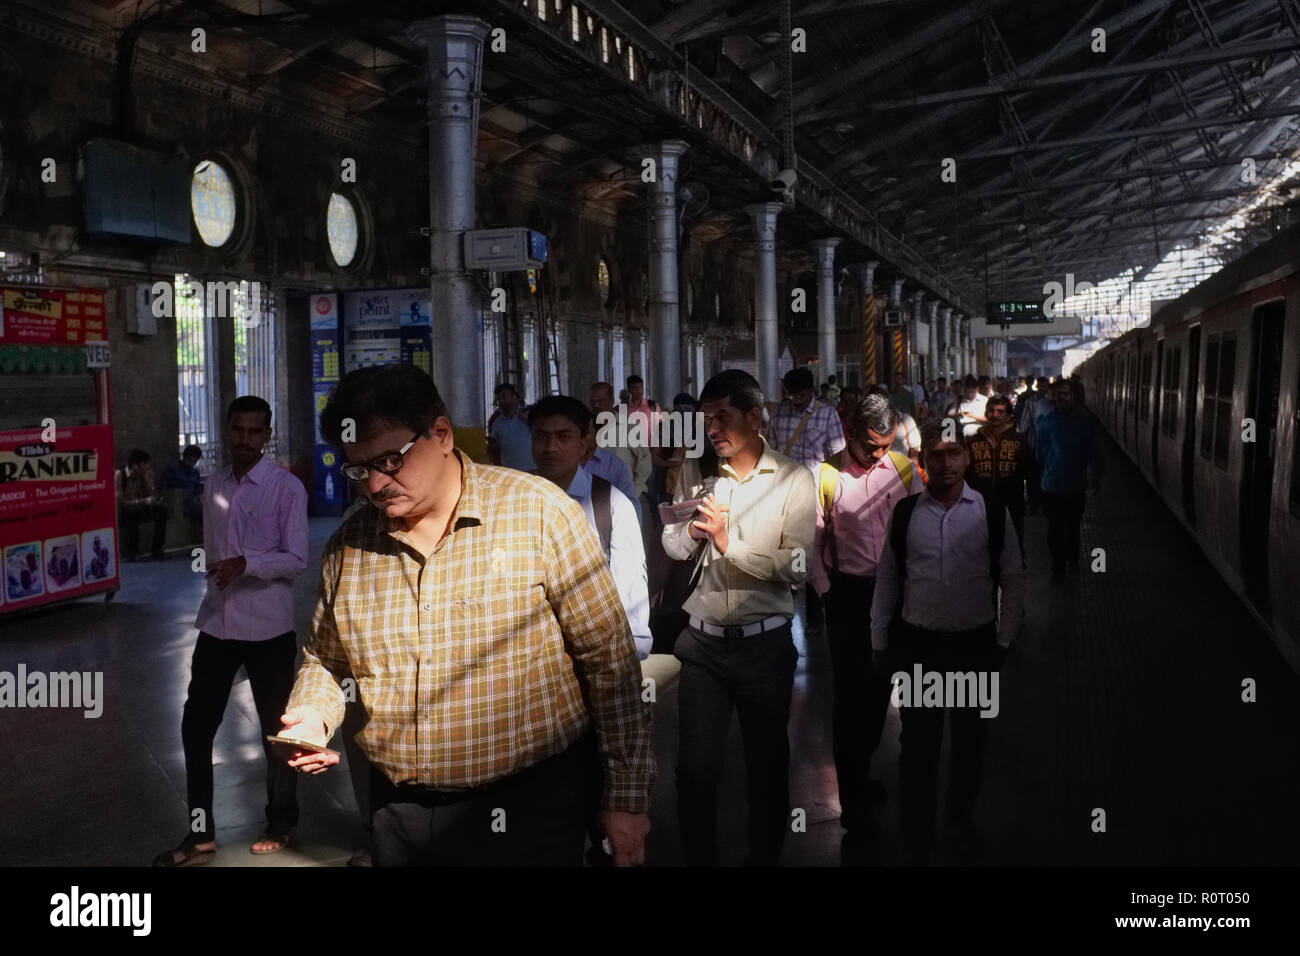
[389,464]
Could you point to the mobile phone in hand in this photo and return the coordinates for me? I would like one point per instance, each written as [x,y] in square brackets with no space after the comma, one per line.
[287,748]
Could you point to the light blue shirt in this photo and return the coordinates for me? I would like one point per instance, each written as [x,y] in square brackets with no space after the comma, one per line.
[515,439]
[613,469]
[626,556]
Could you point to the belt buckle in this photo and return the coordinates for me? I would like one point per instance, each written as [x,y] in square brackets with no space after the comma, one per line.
[733,632]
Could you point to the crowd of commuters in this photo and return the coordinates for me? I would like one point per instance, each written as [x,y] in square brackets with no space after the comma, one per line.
[490,619]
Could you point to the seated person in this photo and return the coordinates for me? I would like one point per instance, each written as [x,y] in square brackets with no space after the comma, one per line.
[138,501]
[184,475]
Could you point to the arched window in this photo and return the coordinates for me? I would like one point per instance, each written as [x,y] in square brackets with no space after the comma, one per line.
[213,201]
[341,224]
[602,281]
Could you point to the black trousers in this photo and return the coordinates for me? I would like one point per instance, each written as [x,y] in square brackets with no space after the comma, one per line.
[861,698]
[943,652]
[213,668]
[130,517]
[532,818]
[1064,516]
[754,676]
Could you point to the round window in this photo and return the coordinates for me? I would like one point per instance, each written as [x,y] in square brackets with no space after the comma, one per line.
[212,199]
[341,224]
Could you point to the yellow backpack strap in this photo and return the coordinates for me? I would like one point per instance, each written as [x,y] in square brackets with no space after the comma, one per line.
[904,466]
[828,479]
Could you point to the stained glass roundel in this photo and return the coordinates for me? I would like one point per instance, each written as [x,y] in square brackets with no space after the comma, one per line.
[341,223]
[212,199]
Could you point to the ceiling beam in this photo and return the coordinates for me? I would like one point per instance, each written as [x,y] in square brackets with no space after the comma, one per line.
[920,38]
[1105,72]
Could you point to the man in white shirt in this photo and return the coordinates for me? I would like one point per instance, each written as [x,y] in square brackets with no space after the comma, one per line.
[751,540]
[972,409]
[255,541]
[561,428]
[950,592]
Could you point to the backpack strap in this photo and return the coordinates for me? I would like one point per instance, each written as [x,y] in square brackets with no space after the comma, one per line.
[904,466]
[996,514]
[828,479]
[603,512]
[898,540]
[798,431]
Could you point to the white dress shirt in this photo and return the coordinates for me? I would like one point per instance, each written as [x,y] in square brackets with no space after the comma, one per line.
[949,586]
[613,469]
[770,531]
[262,517]
[626,556]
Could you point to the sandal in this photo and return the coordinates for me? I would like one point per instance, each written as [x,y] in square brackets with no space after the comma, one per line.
[191,855]
[283,837]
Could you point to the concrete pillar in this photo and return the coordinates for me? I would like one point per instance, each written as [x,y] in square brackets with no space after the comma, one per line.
[825,255]
[949,347]
[617,378]
[643,341]
[865,273]
[453,49]
[665,321]
[914,372]
[936,360]
[767,344]
[700,373]
[968,347]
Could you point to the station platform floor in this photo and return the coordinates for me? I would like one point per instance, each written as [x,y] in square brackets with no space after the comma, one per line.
[1123,693]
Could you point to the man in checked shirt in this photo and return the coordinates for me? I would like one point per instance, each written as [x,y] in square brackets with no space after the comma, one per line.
[473,610]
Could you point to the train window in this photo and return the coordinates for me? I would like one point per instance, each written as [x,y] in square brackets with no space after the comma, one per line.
[1295,453]
[1144,398]
[1210,380]
[1168,405]
[1223,415]
[1133,384]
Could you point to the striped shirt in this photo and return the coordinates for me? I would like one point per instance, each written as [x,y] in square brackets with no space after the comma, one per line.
[465,660]
[820,438]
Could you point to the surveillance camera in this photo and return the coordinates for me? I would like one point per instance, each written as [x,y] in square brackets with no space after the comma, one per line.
[785,181]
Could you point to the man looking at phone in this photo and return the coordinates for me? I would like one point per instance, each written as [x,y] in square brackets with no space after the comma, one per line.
[255,541]
[750,539]
[472,611]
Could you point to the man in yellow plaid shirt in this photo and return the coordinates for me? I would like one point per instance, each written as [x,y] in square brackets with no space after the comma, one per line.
[472,611]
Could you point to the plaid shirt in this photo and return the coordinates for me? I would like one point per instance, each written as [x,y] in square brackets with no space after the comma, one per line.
[465,660]
[821,437]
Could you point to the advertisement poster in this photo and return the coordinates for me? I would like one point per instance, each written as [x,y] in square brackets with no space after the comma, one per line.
[387,326]
[325,311]
[329,491]
[51,316]
[58,515]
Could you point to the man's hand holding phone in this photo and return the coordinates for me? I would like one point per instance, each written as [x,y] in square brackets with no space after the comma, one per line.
[712,522]
[307,725]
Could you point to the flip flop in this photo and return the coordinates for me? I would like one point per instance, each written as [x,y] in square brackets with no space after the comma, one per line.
[191,855]
[284,838]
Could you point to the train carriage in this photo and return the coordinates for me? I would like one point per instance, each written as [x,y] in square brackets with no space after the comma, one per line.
[1206,402]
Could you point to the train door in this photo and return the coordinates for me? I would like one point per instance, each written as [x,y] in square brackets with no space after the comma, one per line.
[1189,422]
[1259,457]
[1155,411]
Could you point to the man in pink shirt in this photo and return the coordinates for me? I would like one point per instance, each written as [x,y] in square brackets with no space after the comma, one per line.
[847,547]
[255,543]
